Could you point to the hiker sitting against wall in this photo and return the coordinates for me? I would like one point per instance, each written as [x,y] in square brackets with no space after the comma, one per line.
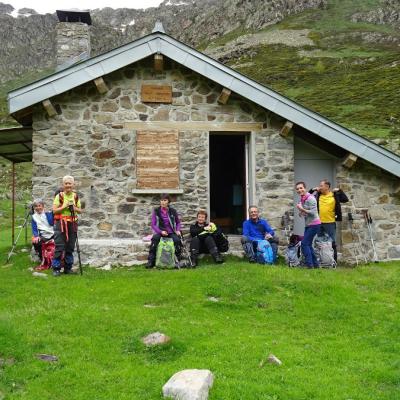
[165,223]
[256,229]
[43,234]
[66,206]
[329,209]
[206,238]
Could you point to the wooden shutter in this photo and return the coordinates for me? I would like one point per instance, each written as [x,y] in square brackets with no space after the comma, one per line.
[157,160]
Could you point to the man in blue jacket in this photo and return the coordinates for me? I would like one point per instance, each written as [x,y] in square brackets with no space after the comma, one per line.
[254,230]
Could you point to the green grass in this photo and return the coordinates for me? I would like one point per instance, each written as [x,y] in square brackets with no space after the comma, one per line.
[336,332]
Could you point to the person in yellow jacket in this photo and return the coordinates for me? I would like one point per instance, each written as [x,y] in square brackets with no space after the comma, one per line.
[66,206]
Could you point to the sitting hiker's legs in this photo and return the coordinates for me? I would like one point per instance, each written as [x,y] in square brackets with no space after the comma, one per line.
[38,249]
[274,242]
[177,244]
[155,240]
[213,250]
[249,248]
[195,244]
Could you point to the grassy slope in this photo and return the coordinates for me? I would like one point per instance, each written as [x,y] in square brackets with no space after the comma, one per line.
[335,331]
[351,82]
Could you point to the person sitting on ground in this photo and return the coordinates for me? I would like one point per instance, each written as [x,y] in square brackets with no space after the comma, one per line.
[329,209]
[254,230]
[206,238]
[165,223]
[66,206]
[43,234]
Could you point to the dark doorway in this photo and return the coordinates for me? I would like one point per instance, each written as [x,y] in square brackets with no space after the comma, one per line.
[228,181]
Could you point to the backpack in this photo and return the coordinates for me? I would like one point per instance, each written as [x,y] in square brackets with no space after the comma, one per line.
[165,256]
[221,241]
[265,255]
[293,251]
[324,251]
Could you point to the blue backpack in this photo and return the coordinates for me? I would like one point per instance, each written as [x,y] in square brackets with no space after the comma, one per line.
[265,255]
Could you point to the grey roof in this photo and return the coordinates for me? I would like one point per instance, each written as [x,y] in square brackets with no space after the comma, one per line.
[159,42]
[16,144]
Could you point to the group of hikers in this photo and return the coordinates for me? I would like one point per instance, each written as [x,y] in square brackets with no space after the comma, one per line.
[55,232]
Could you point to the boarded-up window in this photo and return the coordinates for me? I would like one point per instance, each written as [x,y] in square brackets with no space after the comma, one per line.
[157,160]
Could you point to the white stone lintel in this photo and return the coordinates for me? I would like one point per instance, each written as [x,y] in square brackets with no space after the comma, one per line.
[157,191]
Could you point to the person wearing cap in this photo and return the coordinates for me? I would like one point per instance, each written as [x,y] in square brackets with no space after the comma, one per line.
[42,234]
[165,223]
[66,206]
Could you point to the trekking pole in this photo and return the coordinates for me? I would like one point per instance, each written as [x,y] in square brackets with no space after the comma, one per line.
[368,221]
[30,212]
[75,228]
[350,217]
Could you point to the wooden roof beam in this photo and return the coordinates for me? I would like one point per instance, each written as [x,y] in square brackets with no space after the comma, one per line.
[101,85]
[286,129]
[349,160]
[224,96]
[158,62]
[49,107]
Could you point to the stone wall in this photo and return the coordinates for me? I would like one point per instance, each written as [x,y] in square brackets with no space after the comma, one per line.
[88,140]
[72,39]
[371,188]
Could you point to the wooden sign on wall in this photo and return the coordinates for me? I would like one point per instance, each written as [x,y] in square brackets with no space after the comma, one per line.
[157,160]
[156,94]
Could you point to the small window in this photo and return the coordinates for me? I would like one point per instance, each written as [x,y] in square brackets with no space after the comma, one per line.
[157,160]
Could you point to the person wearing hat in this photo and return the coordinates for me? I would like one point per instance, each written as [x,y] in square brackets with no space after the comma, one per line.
[165,222]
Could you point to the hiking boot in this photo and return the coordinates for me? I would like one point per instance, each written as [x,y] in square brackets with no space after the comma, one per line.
[194,257]
[56,272]
[216,256]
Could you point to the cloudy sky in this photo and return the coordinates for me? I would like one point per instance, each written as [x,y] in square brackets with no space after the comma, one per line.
[46,6]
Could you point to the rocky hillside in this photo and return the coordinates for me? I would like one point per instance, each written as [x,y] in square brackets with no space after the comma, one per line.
[337,57]
[27,38]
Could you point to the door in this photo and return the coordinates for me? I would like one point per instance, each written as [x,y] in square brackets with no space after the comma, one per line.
[311,165]
[229,183]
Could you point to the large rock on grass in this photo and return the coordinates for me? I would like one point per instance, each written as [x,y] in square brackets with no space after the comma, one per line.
[189,384]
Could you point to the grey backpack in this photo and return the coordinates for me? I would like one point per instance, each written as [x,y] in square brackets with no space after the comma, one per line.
[324,251]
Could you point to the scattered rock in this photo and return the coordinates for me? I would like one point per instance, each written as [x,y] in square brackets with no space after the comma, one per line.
[149,306]
[189,384]
[155,338]
[39,274]
[7,361]
[107,267]
[24,250]
[213,299]
[274,360]
[47,357]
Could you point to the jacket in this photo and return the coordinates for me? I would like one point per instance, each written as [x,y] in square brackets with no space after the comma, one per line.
[339,196]
[50,220]
[157,223]
[256,231]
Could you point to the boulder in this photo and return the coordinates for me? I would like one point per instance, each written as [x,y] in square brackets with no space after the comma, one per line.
[155,338]
[189,384]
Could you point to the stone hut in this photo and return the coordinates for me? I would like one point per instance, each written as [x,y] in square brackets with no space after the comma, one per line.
[157,116]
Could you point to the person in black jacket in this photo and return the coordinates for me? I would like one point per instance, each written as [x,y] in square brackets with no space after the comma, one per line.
[206,238]
[329,209]
[165,222]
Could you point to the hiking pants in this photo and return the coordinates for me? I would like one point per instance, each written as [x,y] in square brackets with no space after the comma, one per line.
[330,229]
[155,240]
[64,245]
[306,245]
[202,244]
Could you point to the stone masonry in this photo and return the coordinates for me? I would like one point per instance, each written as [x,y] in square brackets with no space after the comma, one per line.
[72,39]
[89,141]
